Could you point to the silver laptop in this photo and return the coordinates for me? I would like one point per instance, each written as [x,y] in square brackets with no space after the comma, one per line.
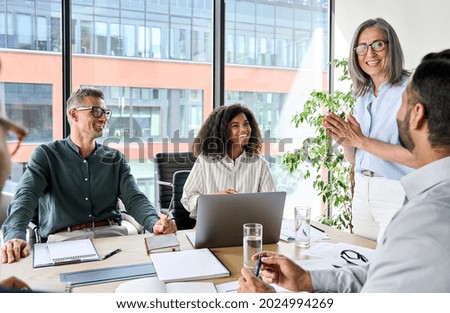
[220,218]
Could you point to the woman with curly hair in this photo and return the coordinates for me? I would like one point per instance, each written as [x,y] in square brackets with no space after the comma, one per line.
[228,149]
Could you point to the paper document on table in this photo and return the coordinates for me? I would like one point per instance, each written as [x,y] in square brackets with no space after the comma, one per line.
[191,236]
[333,250]
[288,232]
[50,286]
[154,285]
[188,265]
[232,287]
[321,263]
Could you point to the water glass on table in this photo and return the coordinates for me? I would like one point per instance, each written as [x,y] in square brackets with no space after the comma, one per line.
[253,235]
[302,226]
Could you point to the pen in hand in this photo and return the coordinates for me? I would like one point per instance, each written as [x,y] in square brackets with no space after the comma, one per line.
[258,265]
[111,253]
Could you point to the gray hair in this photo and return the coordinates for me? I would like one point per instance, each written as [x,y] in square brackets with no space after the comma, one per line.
[362,83]
[77,97]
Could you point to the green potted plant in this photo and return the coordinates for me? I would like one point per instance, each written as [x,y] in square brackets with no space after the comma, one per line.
[320,155]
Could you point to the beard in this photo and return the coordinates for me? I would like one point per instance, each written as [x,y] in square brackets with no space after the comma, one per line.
[404,133]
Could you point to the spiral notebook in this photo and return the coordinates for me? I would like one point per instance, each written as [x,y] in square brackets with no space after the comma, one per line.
[65,252]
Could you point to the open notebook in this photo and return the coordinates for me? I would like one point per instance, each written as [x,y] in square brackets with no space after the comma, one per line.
[65,252]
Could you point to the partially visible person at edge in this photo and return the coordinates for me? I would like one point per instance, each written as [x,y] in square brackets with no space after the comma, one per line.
[75,184]
[11,283]
[414,253]
[228,149]
[370,138]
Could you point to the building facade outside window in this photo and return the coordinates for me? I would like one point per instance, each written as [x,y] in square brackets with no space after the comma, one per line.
[153,59]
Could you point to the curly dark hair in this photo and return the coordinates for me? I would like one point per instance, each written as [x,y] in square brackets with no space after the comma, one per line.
[213,140]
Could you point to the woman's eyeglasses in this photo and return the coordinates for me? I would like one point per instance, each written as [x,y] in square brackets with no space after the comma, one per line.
[96,111]
[16,134]
[353,257]
[377,46]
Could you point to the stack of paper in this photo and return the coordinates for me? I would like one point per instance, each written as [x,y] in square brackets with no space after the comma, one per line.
[188,265]
[154,285]
[288,232]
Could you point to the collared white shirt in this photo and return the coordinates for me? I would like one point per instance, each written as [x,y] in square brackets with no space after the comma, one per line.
[414,253]
[246,174]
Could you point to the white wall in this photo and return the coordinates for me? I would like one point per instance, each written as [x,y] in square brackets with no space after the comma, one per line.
[422,25]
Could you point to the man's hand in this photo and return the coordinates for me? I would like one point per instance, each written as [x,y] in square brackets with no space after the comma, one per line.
[250,283]
[280,270]
[14,283]
[164,226]
[14,249]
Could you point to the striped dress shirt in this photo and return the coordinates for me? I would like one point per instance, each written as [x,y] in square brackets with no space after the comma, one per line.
[245,175]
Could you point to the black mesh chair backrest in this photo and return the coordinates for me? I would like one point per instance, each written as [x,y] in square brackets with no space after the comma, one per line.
[179,213]
[167,163]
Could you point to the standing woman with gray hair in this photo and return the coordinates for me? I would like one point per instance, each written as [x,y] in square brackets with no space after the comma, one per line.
[370,136]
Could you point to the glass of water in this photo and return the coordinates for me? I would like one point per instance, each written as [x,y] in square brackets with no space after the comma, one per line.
[253,235]
[302,226]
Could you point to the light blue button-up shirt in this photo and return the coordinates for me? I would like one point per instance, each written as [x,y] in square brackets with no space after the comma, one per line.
[380,122]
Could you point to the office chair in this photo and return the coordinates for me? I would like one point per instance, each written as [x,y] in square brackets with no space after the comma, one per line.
[5,199]
[176,208]
[34,236]
[32,232]
[167,163]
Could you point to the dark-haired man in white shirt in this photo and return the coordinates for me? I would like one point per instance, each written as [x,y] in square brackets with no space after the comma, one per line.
[414,253]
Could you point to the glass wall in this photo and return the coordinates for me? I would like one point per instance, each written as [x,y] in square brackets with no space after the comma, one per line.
[276,56]
[30,105]
[151,114]
[152,58]
[266,33]
[30,77]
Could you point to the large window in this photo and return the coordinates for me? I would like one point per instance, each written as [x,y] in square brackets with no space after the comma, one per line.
[30,105]
[151,114]
[259,32]
[273,42]
[152,59]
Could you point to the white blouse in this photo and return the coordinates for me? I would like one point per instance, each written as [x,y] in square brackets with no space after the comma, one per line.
[246,174]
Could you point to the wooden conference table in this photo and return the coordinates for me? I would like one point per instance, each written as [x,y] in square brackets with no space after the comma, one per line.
[134,252]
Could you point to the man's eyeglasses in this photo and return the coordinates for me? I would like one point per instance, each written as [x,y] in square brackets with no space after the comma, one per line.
[353,257]
[377,46]
[16,134]
[96,111]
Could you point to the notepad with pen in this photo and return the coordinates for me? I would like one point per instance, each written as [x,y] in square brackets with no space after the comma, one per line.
[161,243]
[65,252]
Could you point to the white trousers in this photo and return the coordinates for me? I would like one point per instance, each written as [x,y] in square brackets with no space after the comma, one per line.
[375,201]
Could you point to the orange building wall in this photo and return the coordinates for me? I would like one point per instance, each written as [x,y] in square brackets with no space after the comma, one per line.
[25,67]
